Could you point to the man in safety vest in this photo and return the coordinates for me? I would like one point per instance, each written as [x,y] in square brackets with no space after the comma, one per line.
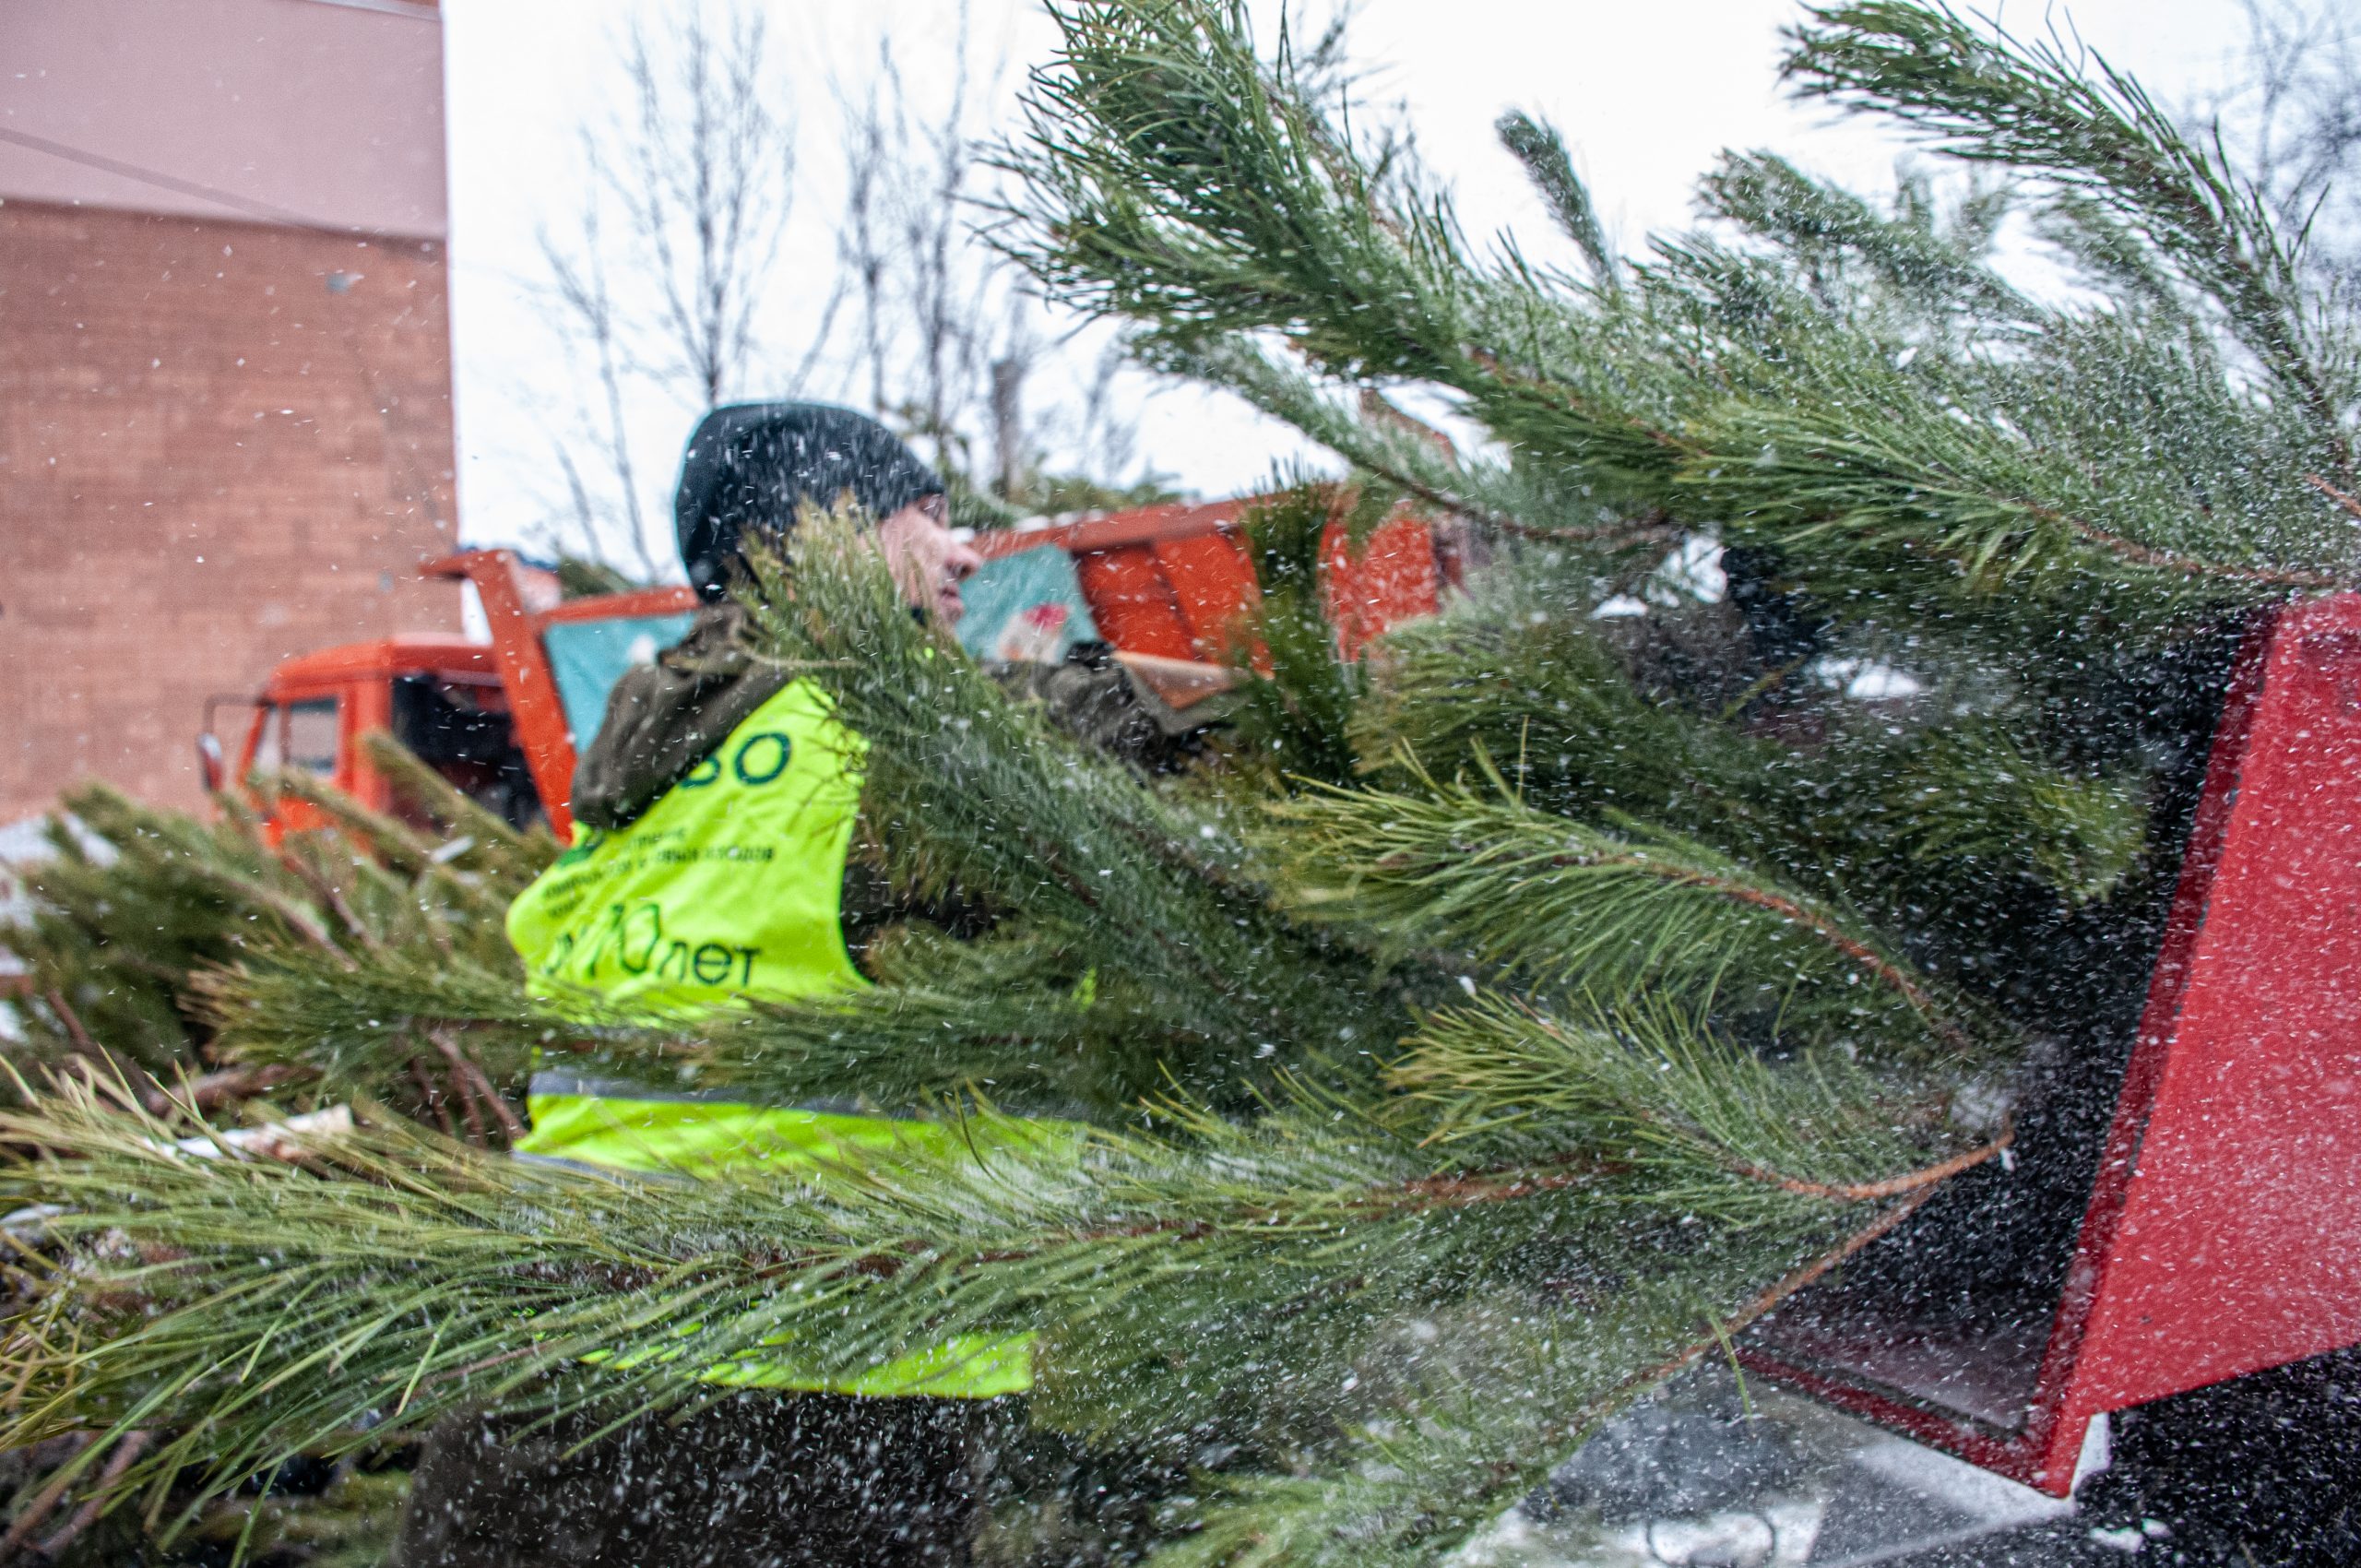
[718,806]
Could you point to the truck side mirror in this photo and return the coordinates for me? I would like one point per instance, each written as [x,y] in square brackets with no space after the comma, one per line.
[211,765]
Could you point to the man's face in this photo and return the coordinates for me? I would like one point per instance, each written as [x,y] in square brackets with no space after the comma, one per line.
[928,562]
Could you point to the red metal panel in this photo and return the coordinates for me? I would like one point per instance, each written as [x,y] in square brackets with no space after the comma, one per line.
[536,715]
[328,669]
[1132,602]
[368,705]
[250,751]
[2235,1240]
[678,599]
[2002,1454]
[1169,580]
[2224,1230]
[1142,525]
[1213,585]
[1391,579]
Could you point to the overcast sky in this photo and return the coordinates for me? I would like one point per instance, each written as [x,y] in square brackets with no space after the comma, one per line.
[1647,95]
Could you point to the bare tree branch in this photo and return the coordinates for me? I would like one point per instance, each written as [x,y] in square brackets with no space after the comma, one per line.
[587,315]
[943,335]
[927,326]
[708,180]
[702,170]
[2293,114]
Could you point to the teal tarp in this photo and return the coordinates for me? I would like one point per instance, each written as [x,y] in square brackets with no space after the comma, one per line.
[1028,606]
[588,657]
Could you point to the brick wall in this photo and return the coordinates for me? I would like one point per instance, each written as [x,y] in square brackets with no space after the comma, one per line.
[220,444]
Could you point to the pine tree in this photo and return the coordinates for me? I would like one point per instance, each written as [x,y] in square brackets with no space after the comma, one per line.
[1595,980]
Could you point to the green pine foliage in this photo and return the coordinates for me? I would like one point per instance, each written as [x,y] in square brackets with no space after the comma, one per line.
[1348,1239]
[124,909]
[139,914]
[1294,715]
[1604,959]
[1910,418]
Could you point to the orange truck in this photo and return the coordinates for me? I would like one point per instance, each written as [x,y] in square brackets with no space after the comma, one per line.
[503,719]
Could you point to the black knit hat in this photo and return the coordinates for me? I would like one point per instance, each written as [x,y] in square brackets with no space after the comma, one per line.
[750,465]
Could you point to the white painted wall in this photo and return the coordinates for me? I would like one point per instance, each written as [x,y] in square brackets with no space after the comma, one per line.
[327,114]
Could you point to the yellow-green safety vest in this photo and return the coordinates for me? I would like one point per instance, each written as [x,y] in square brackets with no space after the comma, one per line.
[729,889]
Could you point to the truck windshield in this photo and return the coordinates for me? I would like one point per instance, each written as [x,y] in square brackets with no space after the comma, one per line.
[1026,607]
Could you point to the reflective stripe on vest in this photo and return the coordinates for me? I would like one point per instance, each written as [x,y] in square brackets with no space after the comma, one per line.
[729,889]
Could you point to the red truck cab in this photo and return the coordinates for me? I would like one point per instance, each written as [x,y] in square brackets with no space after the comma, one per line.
[496,719]
[313,708]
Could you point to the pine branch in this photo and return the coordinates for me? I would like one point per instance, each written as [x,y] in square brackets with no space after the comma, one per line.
[1147,220]
[1048,1038]
[359,1023]
[388,1264]
[1542,152]
[1297,699]
[1513,500]
[1738,932]
[1178,182]
[967,788]
[1650,1076]
[1825,226]
[1990,98]
[131,899]
[2033,463]
[1479,1433]
[1946,828]
[494,849]
[1617,912]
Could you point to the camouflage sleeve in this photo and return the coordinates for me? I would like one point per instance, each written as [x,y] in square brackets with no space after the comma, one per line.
[1099,703]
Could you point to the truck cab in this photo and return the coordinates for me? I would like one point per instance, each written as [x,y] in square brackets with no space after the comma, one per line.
[440,696]
[498,720]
